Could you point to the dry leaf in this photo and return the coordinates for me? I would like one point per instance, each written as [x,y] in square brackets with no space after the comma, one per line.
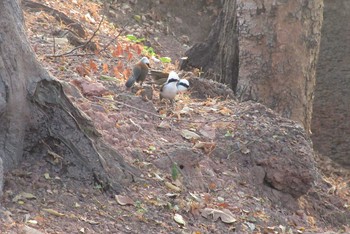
[130,56]
[172,187]
[126,73]
[164,124]
[118,51]
[225,111]
[222,205]
[32,221]
[179,219]
[124,200]
[93,66]
[189,135]
[245,150]
[116,71]
[82,70]
[120,65]
[208,131]
[207,147]
[225,215]
[212,186]
[53,212]
[92,222]
[138,49]
[105,68]
[22,196]
[210,102]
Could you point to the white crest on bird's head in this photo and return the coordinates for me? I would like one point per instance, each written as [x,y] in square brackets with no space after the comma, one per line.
[182,86]
[144,60]
[173,76]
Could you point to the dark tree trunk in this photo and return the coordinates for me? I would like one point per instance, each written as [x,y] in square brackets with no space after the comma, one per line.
[218,55]
[34,109]
[275,61]
[331,115]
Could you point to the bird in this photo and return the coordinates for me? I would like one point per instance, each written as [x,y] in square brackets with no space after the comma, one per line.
[159,77]
[139,72]
[182,85]
[169,89]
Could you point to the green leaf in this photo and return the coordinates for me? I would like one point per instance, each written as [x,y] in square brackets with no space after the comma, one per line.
[133,38]
[165,59]
[137,18]
[149,50]
[47,176]
[228,133]
[151,148]
[108,78]
[174,172]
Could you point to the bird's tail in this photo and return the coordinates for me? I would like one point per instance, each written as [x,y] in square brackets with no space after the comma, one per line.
[130,82]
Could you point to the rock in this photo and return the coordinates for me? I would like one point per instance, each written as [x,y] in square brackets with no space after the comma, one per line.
[93,89]
[203,88]
[280,160]
[29,230]
[178,20]
[90,88]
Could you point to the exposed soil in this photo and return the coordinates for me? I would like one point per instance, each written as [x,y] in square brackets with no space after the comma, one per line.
[240,158]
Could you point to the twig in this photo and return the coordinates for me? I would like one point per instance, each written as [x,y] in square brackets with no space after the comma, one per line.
[136,125]
[132,107]
[80,46]
[113,39]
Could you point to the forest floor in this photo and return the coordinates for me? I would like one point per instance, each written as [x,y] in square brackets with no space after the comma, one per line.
[214,194]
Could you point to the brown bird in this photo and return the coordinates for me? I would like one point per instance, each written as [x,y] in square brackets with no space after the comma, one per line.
[139,72]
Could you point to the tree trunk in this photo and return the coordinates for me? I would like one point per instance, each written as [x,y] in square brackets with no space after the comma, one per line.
[279,44]
[218,55]
[276,59]
[34,109]
[331,110]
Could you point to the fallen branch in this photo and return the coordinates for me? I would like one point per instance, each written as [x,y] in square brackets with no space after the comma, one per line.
[59,16]
[81,46]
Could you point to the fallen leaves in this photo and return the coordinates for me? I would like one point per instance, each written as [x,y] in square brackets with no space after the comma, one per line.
[207,147]
[189,135]
[225,215]
[172,187]
[53,212]
[23,196]
[124,200]
[118,51]
[179,219]
[93,66]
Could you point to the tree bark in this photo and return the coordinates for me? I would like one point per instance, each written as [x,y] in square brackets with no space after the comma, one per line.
[34,109]
[331,109]
[279,44]
[218,55]
[277,54]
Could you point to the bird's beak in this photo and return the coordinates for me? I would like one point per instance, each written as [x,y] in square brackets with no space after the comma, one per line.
[148,65]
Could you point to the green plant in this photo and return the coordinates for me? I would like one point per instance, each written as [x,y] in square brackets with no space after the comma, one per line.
[135,39]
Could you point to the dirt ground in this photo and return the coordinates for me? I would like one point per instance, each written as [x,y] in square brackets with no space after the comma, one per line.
[232,155]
